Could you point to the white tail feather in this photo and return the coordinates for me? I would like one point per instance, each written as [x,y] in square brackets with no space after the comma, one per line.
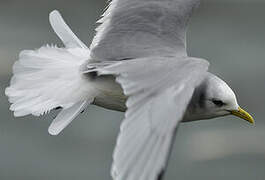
[51,77]
[45,79]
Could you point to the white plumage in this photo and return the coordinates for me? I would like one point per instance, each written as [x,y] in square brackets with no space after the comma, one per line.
[51,77]
[142,45]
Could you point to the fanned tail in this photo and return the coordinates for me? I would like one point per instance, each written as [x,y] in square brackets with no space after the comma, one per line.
[45,79]
[51,77]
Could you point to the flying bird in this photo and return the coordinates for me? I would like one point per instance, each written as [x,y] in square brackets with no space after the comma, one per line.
[137,63]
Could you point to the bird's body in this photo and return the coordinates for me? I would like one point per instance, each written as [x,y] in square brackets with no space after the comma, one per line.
[110,94]
[112,97]
[137,64]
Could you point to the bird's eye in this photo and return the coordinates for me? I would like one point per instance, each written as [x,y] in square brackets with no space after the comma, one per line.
[218,102]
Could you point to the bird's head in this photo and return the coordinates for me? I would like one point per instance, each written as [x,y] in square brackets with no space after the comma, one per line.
[214,98]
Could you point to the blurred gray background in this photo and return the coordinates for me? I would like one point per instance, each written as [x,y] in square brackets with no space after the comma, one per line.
[229,33]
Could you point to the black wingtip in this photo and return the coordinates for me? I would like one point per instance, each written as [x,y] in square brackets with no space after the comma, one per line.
[161,175]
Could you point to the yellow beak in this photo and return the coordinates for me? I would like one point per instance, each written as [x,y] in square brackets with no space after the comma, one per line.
[244,115]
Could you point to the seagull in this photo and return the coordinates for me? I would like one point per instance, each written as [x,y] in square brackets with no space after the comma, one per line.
[137,63]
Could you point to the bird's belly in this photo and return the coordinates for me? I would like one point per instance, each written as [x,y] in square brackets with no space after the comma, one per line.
[110,94]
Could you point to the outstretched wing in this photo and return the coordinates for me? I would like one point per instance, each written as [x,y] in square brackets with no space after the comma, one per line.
[141,28]
[159,90]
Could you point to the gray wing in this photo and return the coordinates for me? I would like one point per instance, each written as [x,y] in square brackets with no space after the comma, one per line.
[158,91]
[140,28]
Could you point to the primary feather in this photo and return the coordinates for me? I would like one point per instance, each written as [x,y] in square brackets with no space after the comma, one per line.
[141,28]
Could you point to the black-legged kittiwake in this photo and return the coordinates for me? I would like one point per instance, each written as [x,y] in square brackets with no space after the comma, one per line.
[138,64]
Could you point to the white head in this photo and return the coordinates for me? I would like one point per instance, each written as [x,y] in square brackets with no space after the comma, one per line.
[214,98]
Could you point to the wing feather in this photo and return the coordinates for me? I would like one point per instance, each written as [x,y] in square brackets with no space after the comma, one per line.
[137,28]
[156,104]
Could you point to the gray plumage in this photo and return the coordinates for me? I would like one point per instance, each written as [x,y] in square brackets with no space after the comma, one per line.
[155,29]
[140,28]
[149,125]
[137,63]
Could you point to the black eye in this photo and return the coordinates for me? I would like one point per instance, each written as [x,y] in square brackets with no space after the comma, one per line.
[218,103]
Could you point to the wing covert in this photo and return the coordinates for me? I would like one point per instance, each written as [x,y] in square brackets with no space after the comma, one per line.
[158,90]
[137,28]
